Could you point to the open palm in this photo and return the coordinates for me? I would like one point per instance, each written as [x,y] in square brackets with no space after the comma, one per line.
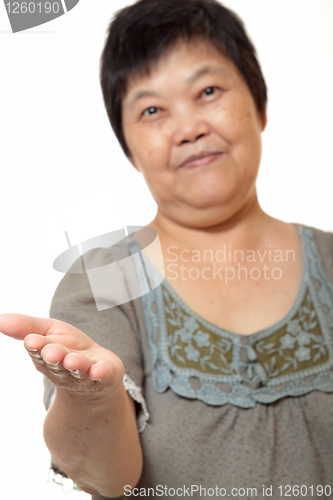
[69,358]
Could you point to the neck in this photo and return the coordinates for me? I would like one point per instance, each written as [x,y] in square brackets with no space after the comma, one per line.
[247,228]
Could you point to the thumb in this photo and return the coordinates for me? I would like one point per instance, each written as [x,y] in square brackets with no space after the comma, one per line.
[18,326]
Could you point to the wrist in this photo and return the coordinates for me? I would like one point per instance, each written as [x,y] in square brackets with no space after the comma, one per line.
[96,399]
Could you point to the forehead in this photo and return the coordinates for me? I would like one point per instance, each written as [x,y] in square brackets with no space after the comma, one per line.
[187,61]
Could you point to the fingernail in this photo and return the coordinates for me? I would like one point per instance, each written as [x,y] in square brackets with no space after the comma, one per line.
[56,368]
[36,355]
[77,373]
[52,364]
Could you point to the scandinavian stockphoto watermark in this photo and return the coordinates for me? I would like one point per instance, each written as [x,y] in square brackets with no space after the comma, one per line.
[226,263]
[25,15]
[123,262]
[117,271]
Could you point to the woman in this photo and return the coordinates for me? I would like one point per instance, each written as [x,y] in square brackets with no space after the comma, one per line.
[227,362]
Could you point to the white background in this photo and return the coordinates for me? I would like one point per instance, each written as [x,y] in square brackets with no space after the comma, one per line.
[62,169]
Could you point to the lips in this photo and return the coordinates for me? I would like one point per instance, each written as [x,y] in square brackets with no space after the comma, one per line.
[200,159]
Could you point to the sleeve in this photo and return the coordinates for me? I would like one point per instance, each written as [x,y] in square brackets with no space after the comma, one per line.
[113,325]
[324,245]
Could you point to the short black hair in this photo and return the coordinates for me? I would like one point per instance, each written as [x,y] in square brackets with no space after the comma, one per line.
[141,33]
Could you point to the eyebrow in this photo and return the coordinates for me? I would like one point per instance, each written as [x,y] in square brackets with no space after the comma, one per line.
[200,72]
[208,69]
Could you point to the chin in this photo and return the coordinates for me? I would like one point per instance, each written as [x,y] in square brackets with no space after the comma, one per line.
[201,219]
[212,200]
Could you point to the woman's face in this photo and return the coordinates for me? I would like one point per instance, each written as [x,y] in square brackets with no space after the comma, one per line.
[195,102]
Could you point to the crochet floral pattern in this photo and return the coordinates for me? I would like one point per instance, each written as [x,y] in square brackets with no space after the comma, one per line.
[294,347]
[197,359]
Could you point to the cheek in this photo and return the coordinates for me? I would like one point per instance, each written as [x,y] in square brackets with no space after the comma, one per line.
[151,156]
[235,120]
[154,150]
[149,139]
[238,125]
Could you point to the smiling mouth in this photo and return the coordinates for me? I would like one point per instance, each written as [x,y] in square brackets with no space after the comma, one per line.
[204,160]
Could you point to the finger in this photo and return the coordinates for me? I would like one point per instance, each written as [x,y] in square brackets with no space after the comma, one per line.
[99,371]
[50,361]
[79,367]
[54,353]
[110,371]
[45,367]
[34,342]
[77,362]
[58,359]
[18,326]
[37,357]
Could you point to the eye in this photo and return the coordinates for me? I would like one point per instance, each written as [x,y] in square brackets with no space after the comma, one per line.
[150,111]
[209,91]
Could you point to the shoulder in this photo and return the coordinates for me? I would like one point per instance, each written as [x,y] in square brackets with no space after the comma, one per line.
[97,272]
[323,241]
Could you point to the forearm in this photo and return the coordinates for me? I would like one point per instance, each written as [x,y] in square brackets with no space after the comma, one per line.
[95,440]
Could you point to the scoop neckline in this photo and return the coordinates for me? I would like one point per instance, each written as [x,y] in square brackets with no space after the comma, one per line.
[221,331]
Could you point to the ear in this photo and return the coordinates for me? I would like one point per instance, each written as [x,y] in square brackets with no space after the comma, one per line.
[263,119]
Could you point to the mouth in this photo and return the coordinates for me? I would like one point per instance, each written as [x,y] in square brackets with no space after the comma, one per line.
[201,159]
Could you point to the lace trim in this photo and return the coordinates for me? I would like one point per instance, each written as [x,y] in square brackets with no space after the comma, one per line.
[135,392]
[238,387]
[58,476]
[297,346]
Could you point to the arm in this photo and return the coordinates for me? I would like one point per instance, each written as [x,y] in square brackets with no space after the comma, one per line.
[90,428]
[95,441]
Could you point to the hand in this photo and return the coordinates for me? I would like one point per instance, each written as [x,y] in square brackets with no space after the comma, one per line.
[64,354]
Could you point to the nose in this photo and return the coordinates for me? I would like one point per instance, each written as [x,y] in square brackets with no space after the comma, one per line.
[189,127]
